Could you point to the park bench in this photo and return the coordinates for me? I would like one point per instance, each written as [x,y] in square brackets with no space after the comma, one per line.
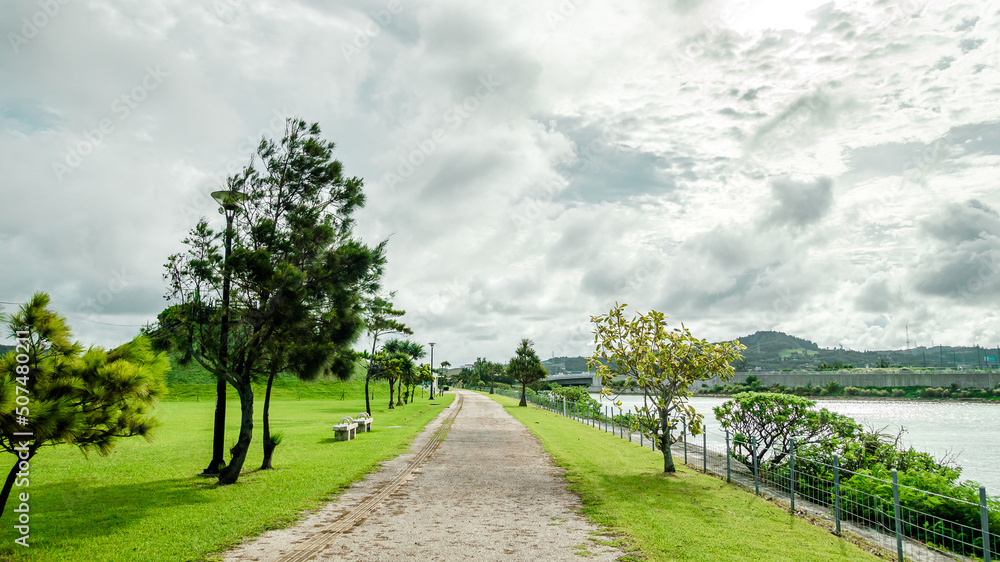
[345,430]
[364,422]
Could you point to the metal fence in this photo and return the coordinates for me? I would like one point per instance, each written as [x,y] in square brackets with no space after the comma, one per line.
[907,522]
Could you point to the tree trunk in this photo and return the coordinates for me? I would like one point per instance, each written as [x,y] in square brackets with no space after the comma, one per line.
[524,398]
[392,385]
[8,485]
[268,445]
[368,404]
[231,473]
[399,393]
[668,458]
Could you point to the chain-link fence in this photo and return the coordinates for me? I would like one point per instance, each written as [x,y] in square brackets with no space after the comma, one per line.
[906,522]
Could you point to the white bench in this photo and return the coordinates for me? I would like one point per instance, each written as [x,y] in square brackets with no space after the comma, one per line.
[345,430]
[364,422]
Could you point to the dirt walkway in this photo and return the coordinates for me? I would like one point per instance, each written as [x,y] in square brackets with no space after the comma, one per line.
[488,492]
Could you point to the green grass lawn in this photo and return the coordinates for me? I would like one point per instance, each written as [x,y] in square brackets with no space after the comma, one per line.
[145,502]
[684,516]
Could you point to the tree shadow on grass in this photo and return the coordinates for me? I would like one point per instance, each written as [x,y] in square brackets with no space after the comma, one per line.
[73,511]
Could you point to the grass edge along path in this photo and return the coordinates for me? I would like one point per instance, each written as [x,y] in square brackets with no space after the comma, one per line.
[145,502]
[685,516]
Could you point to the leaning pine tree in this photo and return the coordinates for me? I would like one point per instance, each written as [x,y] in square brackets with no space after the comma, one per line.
[84,398]
[300,279]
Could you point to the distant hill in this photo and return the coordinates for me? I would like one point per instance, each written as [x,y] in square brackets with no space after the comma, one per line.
[6,348]
[776,351]
[557,365]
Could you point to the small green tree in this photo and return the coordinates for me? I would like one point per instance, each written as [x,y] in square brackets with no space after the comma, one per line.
[772,420]
[381,319]
[57,393]
[663,364]
[525,367]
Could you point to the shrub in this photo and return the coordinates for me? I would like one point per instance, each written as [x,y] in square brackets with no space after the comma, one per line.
[934,392]
[881,393]
[898,393]
[832,387]
[852,391]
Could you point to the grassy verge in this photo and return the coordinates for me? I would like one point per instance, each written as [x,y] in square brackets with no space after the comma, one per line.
[145,502]
[684,516]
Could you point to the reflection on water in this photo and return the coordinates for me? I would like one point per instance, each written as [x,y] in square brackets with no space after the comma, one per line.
[968,431]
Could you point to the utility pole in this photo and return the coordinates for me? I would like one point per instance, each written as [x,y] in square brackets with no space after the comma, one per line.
[907,336]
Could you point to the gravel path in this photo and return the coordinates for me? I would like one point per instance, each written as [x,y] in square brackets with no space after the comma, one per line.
[488,492]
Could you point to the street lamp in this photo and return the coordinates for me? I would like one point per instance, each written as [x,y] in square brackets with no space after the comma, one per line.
[230,200]
[433,378]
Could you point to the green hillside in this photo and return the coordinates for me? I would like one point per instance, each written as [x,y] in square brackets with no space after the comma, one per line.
[777,351]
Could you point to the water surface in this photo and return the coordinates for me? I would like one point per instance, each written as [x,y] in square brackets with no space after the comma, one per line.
[967,431]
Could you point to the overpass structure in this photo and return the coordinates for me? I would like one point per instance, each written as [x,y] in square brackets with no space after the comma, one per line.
[581,378]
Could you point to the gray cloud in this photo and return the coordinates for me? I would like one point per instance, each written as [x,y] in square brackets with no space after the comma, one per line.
[963,222]
[877,295]
[800,204]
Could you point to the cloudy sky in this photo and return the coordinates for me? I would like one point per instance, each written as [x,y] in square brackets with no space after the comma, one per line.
[826,169]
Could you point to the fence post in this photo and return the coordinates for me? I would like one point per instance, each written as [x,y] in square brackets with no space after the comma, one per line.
[728,473]
[685,435]
[704,452]
[621,428]
[630,427]
[836,492]
[984,514]
[895,507]
[791,473]
[753,451]
[564,407]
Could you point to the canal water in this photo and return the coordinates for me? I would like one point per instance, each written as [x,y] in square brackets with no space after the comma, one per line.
[967,431]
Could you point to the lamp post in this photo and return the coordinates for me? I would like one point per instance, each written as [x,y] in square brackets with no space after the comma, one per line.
[230,200]
[433,378]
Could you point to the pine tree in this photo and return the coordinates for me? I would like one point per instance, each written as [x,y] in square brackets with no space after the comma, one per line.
[52,392]
[526,367]
[299,277]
